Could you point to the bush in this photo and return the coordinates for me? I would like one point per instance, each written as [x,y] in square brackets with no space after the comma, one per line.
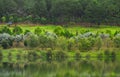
[71,44]
[18,38]
[17,30]
[67,34]
[31,41]
[98,43]
[38,31]
[26,31]
[6,40]
[86,44]
[47,41]
[62,44]
[117,42]
[3,19]
[5,29]
[59,30]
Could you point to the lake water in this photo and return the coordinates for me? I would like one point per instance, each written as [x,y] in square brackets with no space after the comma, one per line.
[62,68]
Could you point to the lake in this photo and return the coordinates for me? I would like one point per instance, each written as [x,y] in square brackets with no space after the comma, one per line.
[61,68]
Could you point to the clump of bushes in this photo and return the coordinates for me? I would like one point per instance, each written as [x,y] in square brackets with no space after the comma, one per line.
[6,40]
[59,30]
[17,30]
[26,31]
[117,42]
[38,30]
[5,29]
[31,41]
[86,44]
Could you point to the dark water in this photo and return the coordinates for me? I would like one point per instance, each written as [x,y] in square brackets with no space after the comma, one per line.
[62,68]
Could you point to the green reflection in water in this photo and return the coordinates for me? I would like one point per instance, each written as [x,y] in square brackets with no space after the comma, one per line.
[62,68]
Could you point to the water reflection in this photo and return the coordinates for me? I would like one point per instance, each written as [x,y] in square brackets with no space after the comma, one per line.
[62,68]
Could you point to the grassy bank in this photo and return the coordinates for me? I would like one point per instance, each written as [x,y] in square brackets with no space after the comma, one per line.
[32,42]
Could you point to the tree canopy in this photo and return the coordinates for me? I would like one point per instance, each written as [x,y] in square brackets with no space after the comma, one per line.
[61,11]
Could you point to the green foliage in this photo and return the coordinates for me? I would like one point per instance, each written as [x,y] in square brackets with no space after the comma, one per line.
[43,20]
[50,11]
[38,30]
[17,30]
[59,30]
[6,40]
[26,31]
[98,43]
[60,55]
[117,42]
[31,41]
[5,29]
[86,44]
[67,34]
[3,19]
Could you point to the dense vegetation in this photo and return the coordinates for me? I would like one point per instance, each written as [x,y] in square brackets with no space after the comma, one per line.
[61,11]
[59,39]
[56,42]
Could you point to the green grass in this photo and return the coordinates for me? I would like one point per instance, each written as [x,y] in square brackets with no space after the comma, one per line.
[73,29]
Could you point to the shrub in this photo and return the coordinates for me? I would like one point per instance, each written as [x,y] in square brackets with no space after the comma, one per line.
[5,29]
[47,41]
[3,19]
[98,43]
[43,41]
[26,31]
[86,44]
[38,31]
[18,38]
[117,42]
[59,30]
[67,34]
[71,44]
[108,32]
[62,44]
[17,30]
[31,41]
[6,40]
